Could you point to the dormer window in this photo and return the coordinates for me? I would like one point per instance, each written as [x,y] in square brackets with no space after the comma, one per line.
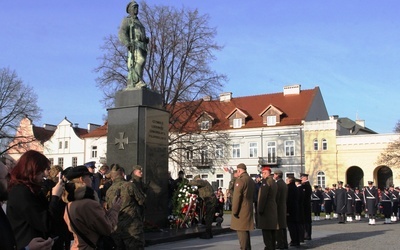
[271,115]
[205,125]
[237,123]
[237,118]
[271,120]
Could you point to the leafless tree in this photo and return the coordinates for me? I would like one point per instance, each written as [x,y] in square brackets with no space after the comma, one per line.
[391,155]
[17,101]
[180,53]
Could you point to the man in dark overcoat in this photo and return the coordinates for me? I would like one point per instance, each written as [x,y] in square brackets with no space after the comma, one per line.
[371,201]
[292,206]
[267,208]
[340,202]
[300,225]
[281,198]
[242,206]
[307,205]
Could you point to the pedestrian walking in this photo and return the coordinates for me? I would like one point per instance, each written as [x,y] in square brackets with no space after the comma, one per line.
[340,202]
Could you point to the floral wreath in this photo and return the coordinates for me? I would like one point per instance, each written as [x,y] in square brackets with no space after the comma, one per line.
[184,203]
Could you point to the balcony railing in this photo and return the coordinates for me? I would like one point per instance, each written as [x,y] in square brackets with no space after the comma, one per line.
[269,160]
[202,163]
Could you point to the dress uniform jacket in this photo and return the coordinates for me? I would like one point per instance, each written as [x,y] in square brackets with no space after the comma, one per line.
[358,198]
[242,203]
[395,200]
[386,203]
[327,203]
[317,200]
[267,208]
[350,202]
[371,199]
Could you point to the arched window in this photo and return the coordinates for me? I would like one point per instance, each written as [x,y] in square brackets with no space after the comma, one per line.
[324,144]
[321,179]
[315,144]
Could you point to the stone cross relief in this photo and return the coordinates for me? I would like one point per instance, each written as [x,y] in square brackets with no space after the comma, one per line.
[121,140]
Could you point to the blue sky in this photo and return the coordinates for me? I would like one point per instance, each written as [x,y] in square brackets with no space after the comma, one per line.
[350,49]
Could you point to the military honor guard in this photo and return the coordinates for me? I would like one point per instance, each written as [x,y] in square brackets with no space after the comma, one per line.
[332,193]
[316,200]
[350,203]
[394,194]
[359,202]
[371,202]
[328,203]
[386,203]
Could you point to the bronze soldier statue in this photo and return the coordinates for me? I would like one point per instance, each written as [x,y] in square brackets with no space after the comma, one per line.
[133,35]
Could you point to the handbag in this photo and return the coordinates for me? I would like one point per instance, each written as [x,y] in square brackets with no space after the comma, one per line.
[104,242]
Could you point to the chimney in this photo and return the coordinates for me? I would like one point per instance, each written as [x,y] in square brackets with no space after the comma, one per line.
[333,117]
[207,98]
[225,97]
[76,125]
[292,89]
[361,123]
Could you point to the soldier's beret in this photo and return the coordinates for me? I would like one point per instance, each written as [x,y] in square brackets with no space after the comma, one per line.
[266,169]
[242,166]
[278,171]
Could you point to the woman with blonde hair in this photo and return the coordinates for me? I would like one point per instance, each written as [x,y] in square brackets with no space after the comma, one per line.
[84,215]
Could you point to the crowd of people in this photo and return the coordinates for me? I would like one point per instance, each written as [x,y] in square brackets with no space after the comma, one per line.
[46,207]
[276,206]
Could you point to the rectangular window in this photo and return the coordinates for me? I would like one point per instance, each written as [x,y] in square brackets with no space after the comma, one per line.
[219,153]
[66,144]
[253,149]
[60,145]
[205,125]
[94,151]
[271,150]
[204,155]
[51,161]
[74,161]
[189,153]
[236,151]
[61,162]
[237,123]
[324,144]
[271,120]
[189,176]
[289,148]
[204,176]
[315,144]
[220,180]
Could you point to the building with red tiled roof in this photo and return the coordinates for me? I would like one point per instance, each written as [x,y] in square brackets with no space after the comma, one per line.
[259,130]
[96,145]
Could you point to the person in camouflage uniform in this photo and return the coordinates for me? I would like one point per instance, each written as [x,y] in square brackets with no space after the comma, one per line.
[129,233]
[206,192]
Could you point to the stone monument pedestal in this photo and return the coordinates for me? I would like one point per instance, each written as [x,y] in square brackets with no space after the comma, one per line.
[138,135]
